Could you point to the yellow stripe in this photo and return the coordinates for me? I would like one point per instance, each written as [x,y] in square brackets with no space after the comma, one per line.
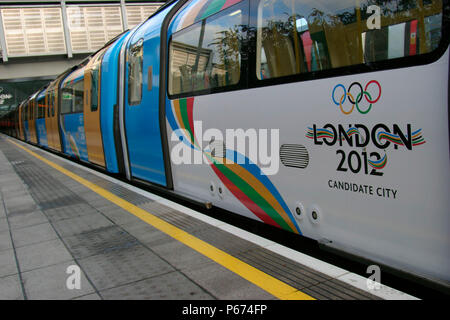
[182,125]
[266,282]
[262,190]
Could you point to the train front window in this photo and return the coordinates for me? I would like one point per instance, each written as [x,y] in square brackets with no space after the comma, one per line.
[67,100]
[301,36]
[78,94]
[41,108]
[95,88]
[72,97]
[135,65]
[207,54]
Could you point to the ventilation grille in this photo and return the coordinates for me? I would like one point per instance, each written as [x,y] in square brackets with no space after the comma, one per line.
[137,14]
[91,27]
[294,155]
[33,31]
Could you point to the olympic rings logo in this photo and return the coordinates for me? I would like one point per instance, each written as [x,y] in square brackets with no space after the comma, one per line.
[356,102]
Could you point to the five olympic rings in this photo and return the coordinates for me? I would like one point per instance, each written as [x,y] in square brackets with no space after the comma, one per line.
[353,101]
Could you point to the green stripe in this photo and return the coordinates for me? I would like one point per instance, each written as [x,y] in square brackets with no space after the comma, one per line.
[184,117]
[252,194]
[213,7]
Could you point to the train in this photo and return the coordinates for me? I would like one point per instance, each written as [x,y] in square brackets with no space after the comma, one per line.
[326,119]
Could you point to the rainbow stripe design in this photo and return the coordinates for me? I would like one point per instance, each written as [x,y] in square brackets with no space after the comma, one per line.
[352,131]
[320,133]
[417,138]
[378,164]
[199,10]
[324,133]
[182,111]
[245,181]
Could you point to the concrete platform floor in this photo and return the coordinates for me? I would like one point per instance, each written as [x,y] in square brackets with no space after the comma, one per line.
[50,223]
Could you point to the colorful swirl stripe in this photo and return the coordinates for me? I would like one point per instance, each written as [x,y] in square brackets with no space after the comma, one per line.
[261,194]
[378,164]
[183,116]
[245,181]
[352,131]
[201,10]
[324,133]
[417,138]
[320,133]
[253,199]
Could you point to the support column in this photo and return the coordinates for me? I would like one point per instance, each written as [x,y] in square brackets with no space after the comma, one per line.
[3,40]
[123,9]
[66,29]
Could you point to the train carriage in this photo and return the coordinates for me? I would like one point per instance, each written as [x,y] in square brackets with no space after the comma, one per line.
[331,102]
[327,119]
[109,115]
[41,109]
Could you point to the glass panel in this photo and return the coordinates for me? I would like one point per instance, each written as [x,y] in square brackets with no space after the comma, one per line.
[66,100]
[208,54]
[41,108]
[298,36]
[53,103]
[135,57]
[78,94]
[95,88]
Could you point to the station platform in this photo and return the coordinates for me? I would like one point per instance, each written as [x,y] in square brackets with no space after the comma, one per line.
[59,220]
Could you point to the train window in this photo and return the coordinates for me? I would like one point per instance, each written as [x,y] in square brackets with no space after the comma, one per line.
[41,108]
[95,76]
[78,95]
[95,87]
[207,55]
[48,105]
[66,101]
[299,36]
[72,97]
[135,61]
[53,101]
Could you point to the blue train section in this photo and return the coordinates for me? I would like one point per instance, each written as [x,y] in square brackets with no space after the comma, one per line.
[142,125]
[71,120]
[109,104]
[41,129]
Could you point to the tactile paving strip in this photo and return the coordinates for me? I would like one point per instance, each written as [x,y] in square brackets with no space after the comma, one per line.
[119,267]
[101,240]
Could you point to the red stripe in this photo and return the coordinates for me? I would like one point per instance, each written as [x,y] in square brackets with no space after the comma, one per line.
[190,112]
[229,3]
[413,31]
[246,201]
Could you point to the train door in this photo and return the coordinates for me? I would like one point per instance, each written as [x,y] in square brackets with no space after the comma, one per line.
[71,115]
[41,129]
[141,106]
[32,122]
[53,119]
[16,123]
[26,121]
[20,123]
[48,122]
[92,106]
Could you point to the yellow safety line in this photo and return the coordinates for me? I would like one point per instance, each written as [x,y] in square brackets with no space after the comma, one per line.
[268,283]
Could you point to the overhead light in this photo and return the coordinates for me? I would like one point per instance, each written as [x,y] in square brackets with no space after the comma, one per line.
[235,13]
